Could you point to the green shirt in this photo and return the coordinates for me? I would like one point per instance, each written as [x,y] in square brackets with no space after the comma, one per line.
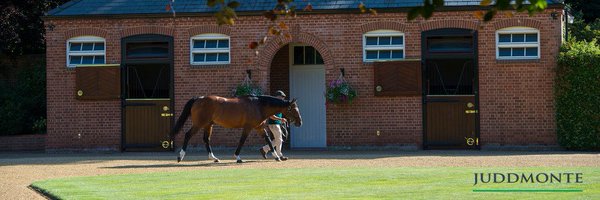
[271,121]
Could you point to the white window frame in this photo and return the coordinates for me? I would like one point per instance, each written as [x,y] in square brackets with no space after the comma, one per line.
[383,32]
[517,30]
[210,36]
[85,39]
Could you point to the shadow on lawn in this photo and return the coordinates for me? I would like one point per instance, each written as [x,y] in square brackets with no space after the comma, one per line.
[179,165]
[19,158]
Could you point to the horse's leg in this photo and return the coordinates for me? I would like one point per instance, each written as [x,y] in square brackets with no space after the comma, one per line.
[269,142]
[207,133]
[188,136]
[239,148]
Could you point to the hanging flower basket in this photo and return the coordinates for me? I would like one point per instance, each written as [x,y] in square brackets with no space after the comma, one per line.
[247,88]
[340,92]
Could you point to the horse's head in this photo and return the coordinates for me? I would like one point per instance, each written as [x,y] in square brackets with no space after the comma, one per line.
[293,113]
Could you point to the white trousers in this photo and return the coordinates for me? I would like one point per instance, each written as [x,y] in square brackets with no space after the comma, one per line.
[277,140]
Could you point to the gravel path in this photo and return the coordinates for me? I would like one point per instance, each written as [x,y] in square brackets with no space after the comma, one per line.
[19,170]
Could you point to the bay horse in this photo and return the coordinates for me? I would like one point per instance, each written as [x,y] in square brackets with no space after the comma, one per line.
[247,112]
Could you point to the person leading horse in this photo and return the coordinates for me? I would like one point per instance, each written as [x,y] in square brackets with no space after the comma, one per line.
[247,112]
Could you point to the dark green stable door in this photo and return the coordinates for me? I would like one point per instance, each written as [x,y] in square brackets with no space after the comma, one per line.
[450,90]
[147,105]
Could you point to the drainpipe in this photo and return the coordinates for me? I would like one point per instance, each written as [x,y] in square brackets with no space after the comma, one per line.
[566,24]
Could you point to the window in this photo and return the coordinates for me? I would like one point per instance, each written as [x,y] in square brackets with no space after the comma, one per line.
[450,44]
[307,55]
[209,49]
[86,50]
[518,43]
[147,50]
[383,45]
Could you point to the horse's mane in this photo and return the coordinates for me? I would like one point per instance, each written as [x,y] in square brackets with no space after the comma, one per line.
[271,101]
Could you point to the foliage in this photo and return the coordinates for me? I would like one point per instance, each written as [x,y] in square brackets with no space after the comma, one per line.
[21,27]
[339,91]
[23,106]
[12,118]
[577,94]
[39,125]
[247,88]
[531,6]
[589,8]
[226,14]
[312,183]
[583,31]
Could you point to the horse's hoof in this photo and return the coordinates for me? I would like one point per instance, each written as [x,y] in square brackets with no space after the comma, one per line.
[178,159]
[217,160]
[240,161]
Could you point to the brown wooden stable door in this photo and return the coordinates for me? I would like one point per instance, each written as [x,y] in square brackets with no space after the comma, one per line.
[450,90]
[451,122]
[148,94]
[147,124]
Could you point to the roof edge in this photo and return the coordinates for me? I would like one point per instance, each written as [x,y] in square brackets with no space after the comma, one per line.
[62,7]
[259,13]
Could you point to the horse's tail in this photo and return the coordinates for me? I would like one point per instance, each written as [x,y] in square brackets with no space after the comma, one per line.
[185,114]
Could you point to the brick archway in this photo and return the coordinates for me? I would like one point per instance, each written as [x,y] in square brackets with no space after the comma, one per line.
[272,46]
[209,29]
[517,22]
[372,26]
[275,45]
[86,31]
[473,25]
[147,30]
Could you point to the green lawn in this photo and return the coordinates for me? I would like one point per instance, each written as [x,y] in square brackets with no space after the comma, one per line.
[316,183]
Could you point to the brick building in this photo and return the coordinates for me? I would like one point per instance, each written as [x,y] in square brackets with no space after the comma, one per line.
[451,81]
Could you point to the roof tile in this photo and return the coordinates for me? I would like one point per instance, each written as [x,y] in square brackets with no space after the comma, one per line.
[120,7]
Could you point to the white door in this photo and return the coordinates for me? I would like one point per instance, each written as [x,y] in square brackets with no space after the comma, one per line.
[307,84]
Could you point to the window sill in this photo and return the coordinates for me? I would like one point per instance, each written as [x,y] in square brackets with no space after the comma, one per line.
[371,63]
[209,66]
[527,60]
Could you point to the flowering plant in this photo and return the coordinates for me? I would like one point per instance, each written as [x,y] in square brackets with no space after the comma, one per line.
[247,88]
[339,91]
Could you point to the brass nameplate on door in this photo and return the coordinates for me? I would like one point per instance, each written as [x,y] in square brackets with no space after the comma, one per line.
[166,114]
[471,111]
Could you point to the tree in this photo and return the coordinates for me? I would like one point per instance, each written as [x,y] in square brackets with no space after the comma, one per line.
[21,27]
[227,14]
[582,31]
[530,6]
[589,8]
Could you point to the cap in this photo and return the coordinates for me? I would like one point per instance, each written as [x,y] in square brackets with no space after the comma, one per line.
[279,93]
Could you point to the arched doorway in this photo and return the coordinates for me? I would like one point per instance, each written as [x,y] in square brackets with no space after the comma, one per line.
[299,70]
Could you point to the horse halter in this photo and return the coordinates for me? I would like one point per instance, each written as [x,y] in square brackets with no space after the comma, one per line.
[289,113]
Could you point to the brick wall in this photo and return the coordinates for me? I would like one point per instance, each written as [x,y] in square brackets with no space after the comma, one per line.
[280,71]
[516,106]
[35,142]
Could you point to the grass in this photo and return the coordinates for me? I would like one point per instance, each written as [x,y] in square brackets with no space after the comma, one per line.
[319,183]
